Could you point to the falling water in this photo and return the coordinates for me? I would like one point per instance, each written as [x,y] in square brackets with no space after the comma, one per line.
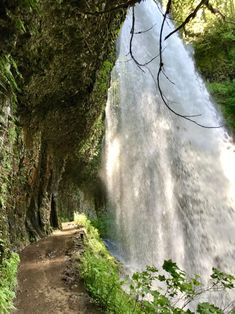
[170,183]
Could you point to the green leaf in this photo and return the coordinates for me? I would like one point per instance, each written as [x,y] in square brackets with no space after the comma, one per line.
[206,308]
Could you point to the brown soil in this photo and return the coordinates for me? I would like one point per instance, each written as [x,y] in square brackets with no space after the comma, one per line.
[47,282]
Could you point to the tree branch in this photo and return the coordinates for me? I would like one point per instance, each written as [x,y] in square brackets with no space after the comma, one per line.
[143,66]
[124,5]
[214,10]
[188,18]
[147,30]
[161,64]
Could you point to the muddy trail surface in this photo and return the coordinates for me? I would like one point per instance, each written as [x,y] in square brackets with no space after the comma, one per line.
[47,283]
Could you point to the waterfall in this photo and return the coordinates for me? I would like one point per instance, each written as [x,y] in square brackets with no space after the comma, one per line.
[170,183]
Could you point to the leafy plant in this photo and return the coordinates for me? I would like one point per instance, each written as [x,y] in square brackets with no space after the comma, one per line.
[8,72]
[8,272]
[205,308]
[176,290]
[224,94]
[101,224]
[100,272]
[150,291]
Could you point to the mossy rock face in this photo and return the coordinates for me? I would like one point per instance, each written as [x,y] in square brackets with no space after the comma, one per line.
[65,58]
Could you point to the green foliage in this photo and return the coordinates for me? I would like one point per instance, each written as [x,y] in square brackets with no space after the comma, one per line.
[100,273]
[64,218]
[29,4]
[223,279]
[213,38]
[215,52]
[200,23]
[90,148]
[7,66]
[104,76]
[8,72]
[205,308]
[8,272]
[224,94]
[17,15]
[150,291]
[94,243]
[176,290]
[211,35]
[101,223]
[177,281]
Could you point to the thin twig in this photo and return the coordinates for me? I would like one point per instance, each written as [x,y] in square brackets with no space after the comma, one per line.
[147,30]
[230,305]
[131,40]
[188,18]
[163,72]
[140,65]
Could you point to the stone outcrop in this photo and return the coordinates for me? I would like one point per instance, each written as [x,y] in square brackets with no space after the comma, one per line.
[55,64]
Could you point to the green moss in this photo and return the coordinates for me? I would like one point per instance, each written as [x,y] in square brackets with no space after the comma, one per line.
[90,150]
[103,77]
[12,134]
[6,164]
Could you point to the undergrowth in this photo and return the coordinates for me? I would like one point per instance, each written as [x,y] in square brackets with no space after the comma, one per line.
[8,72]
[151,291]
[8,273]
[224,94]
[100,272]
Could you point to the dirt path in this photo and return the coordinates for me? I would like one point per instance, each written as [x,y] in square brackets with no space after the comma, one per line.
[46,284]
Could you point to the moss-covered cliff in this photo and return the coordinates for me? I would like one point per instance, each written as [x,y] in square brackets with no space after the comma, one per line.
[55,65]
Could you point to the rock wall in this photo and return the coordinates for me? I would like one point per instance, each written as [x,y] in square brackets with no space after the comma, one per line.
[55,64]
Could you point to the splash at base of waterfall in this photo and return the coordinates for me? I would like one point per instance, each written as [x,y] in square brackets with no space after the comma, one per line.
[170,183]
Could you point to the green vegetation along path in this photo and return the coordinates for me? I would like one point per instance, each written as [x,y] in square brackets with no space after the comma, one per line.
[46,281]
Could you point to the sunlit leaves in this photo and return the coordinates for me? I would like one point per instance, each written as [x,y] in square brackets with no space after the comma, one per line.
[206,308]
[223,279]
[173,290]
[165,291]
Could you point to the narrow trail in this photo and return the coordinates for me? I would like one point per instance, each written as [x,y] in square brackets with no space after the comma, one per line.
[46,283]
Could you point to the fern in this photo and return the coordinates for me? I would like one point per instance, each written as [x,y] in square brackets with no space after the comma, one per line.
[8,72]
[8,272]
